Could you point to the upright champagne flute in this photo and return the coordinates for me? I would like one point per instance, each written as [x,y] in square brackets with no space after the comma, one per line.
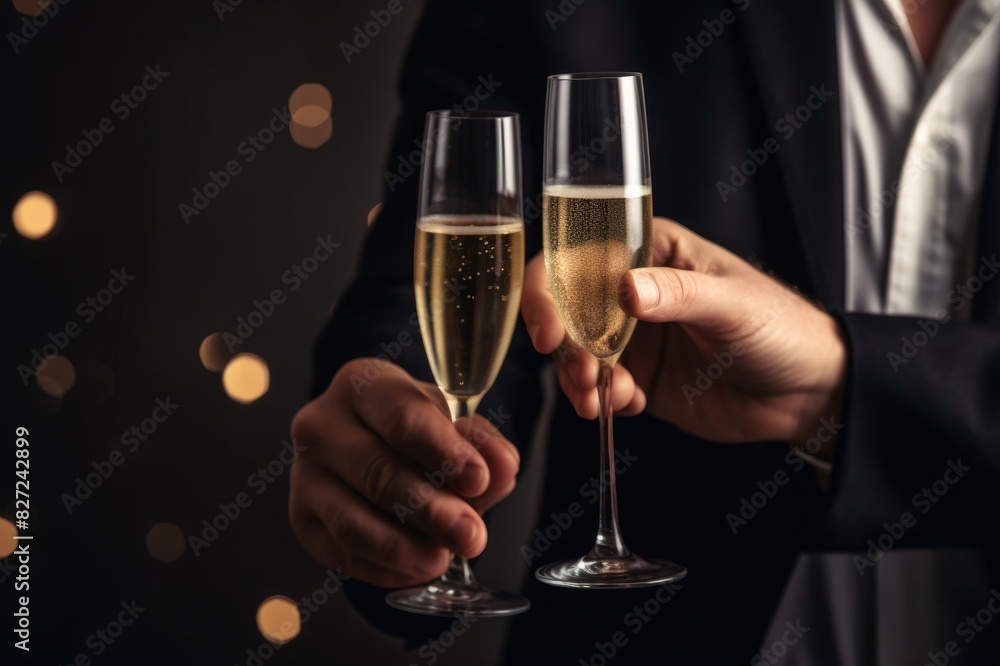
[598,212]
[468,273]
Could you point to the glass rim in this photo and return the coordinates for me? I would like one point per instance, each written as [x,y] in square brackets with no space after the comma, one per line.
[594,76]
[478,114]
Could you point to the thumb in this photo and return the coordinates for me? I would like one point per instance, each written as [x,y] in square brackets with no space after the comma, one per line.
[674,295]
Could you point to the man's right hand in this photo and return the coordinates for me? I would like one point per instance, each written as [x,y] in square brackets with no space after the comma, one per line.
[384,484]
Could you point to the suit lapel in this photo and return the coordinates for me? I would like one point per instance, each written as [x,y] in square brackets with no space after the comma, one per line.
[792,46]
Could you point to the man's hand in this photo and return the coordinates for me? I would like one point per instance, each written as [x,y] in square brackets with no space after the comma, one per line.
[386,484]
[722,350]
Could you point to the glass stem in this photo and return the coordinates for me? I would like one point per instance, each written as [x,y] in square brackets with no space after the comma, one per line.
[458,571]
[609,538]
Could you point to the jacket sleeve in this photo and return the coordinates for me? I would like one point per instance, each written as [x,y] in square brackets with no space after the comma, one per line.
[921,432]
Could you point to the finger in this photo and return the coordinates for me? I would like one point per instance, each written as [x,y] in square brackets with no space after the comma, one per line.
[383,478]
[579,375]
[676,246]
[675,295]
[413,421]
[340,529]
[501,456]
[538,308]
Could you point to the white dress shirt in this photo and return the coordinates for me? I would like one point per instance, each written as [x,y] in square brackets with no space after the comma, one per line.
[915,144]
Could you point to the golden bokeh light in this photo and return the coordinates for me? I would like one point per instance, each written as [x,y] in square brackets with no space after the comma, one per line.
[312,137]
[278,619]
[165,542]
[31,7]
[374,213]
[310,94]
[310,116]
[246,378]
[56,376]
[214,353]
[310,105]
[35,215]
[7,534]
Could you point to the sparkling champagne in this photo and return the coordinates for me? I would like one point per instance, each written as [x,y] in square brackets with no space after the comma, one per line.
[469,274]
[592,236]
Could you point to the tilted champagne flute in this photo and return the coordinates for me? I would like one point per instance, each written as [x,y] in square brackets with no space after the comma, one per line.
[468,273]
[598,213]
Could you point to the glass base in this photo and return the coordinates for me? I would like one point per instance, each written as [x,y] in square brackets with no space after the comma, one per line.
[610,572]
[448,598]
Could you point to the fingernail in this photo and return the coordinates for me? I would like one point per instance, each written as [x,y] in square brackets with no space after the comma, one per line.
[514,454]
[463,533]
[643,288]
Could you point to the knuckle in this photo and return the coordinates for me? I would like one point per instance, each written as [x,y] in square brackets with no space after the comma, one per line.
[378,479]
[386,551]
[676,287]
[304,423]
[403,425]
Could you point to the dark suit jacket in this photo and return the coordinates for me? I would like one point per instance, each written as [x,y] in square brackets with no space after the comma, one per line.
[720,78]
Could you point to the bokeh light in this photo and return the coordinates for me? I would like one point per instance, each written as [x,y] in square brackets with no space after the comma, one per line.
[246,378]
[56,376]
[7,534]
[278,619]
[35,215]
[312,137]
[310,105]
[31,7]
[165,542]
[214,353]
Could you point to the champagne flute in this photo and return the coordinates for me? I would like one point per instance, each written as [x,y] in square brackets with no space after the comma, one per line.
[598,212]
[468,273]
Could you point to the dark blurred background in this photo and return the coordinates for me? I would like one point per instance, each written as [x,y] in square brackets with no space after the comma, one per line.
[136,435]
